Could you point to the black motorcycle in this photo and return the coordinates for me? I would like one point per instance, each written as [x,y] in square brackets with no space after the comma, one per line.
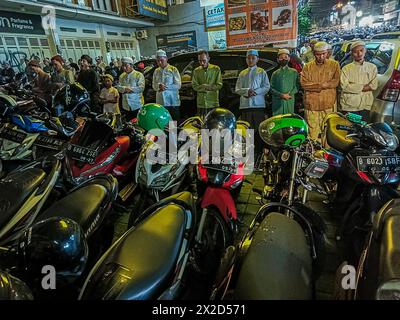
[368,176]
[69,235]
[158,258]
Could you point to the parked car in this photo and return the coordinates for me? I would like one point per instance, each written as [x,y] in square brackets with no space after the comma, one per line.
[386,36]
[231,63]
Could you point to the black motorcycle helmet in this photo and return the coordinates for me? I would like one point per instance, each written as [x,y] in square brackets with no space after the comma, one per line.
[71,98]
[220,119]
[59,242]
[12,288]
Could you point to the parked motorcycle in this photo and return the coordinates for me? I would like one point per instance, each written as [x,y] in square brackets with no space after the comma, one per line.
[368,177]
[23,194]
[220,182]
[155,259]
[378,269]
[103,146]
[69,234]
[159,179]
[282,253]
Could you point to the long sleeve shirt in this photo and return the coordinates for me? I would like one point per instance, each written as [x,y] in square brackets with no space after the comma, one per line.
[285,80]
[170,77]
[312,77]
[135,81]
[353,78]
[207,83]
[89,80]
[254,78]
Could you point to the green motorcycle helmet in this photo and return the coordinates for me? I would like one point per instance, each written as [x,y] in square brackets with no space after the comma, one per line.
[153,116]
[289,130]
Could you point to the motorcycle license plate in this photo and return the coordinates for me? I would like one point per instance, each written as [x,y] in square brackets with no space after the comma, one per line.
[378,163]
[12,135]
[81,153]
[221,167]
[49,142]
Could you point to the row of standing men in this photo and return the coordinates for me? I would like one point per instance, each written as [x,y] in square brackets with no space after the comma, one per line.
[319,80]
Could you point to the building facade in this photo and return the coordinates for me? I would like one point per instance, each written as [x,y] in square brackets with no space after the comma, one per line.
[70,27]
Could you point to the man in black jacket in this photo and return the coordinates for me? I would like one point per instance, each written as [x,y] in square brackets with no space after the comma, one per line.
[89,79]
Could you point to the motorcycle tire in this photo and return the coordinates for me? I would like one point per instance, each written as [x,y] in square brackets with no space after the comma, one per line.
[216,237]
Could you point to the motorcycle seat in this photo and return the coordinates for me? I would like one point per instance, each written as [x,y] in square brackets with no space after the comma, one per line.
[386,224]
[337,138]
[137,266]
[15,190]
[80,205]
[277,264]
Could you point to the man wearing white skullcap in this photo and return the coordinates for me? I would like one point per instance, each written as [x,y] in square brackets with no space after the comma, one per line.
[358,80]
[252,85]
[319,79]
[131,86]
[166,84]
[284,85]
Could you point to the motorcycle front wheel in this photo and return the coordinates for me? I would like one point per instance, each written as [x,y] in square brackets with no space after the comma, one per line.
[216,237]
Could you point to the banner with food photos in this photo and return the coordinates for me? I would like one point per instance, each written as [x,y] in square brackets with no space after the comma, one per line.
[259,23]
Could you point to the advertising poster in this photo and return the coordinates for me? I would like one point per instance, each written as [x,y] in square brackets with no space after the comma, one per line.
[257,23]
[215,17]
[176,43]
[217,40]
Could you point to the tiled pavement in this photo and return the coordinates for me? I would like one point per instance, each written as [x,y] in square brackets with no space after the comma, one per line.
[247,207]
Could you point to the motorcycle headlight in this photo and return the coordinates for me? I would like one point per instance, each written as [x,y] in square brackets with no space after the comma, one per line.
[378,138]
[106,162]
[390,290]
[166,177]
[392,142]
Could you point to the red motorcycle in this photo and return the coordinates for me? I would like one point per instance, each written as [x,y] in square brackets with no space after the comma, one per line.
[103,146]
[218,189]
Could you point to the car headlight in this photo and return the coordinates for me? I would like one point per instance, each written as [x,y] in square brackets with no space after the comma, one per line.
[390,290]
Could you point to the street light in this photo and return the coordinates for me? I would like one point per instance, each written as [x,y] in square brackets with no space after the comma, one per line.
[359,14]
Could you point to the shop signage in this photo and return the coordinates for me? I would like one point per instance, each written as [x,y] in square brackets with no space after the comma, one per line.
[215,16]
[206,3]
[156,9]
[16,22]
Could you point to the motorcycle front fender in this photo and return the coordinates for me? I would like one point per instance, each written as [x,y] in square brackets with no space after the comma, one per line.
[222,200]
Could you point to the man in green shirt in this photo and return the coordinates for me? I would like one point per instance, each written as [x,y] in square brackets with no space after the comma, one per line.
[284,85]
[206,81]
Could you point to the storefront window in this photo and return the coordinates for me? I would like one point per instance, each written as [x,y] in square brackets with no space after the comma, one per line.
[33,42]
[22,42]
[10,41]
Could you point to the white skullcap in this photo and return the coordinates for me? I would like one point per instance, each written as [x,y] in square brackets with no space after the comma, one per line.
[321,46]
[161,53]
[283,51]
[356,44]
[127,60]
